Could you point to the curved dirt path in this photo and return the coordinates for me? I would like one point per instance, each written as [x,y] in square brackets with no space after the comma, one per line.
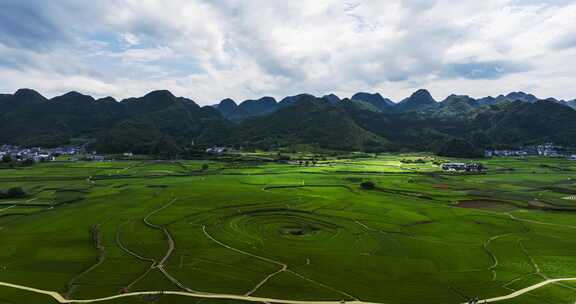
[169,238]
[515,218]
[135,255]
[156,264]
[60,299]
[101,256]
[492,255]
[526,290]
[171,247]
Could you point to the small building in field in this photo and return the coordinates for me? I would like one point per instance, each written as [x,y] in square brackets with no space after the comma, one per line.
[463,167]
[95,157]
[216,150]
[572,157]
[454,166]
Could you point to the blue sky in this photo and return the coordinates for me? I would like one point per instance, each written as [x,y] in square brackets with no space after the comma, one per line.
[210,50]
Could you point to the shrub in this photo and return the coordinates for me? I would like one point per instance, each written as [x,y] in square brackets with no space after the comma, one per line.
[368,185]
[15,192]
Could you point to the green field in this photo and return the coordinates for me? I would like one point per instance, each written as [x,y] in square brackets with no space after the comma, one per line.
[284,231]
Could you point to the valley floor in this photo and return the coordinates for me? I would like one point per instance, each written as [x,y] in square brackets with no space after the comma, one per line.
[251,231]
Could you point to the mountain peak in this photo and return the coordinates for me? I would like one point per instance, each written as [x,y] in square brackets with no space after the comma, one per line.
[332,98]
[73,96]
[374,99]
[458,98]
[228,102]
[226,106]
[423,96]
[292,99]
[521,96]
[107,99]
[267,99]
[164,94]
[418,100]
[29,95]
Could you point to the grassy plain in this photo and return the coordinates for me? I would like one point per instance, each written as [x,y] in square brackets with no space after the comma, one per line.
[95,229]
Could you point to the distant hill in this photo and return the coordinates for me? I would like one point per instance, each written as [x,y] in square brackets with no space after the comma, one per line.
[309,120]
[525,123]
[27,118]
[417,101]
[381,103]
[332,98]
[249,108]
[367,122]
[226,107]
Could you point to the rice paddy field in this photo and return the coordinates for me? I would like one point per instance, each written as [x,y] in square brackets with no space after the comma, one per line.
[287,232]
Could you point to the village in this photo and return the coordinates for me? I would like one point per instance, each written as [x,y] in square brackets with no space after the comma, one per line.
[544,150]
[12,153]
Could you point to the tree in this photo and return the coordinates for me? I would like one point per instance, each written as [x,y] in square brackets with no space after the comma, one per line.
[15,192]
[368,185]
[6,158]
[167,148]
[205,167]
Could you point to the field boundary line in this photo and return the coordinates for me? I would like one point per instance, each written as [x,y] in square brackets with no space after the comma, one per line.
[133,254]
[127,250]
[265,280]
[171,247]
[96,236]
[513,217]
[493,257]
[7,208]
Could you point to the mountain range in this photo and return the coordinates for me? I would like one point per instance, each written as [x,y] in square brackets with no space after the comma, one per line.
[364,122]
[421,100]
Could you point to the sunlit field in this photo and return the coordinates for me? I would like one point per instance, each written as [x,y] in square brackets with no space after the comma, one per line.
[288,231]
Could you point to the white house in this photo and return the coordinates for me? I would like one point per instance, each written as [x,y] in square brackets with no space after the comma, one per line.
[216,150]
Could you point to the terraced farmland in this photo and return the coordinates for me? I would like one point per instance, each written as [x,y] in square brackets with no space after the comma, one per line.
[281,233]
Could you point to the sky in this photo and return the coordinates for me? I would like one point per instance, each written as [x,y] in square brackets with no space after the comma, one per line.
[246,49]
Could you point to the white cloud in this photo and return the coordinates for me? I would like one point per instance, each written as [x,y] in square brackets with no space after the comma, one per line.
[209,50]
[130,39]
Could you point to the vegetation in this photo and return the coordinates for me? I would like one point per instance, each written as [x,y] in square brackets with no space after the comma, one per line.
[168,126]
[459,148]
[368,185]
[94,229]
[14,192]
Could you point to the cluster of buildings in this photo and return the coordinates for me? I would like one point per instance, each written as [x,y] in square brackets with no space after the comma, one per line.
[218,150]
[20,154]
[546,150]
[463,167]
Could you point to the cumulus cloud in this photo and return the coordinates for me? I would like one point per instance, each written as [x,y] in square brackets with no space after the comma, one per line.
[209,50]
